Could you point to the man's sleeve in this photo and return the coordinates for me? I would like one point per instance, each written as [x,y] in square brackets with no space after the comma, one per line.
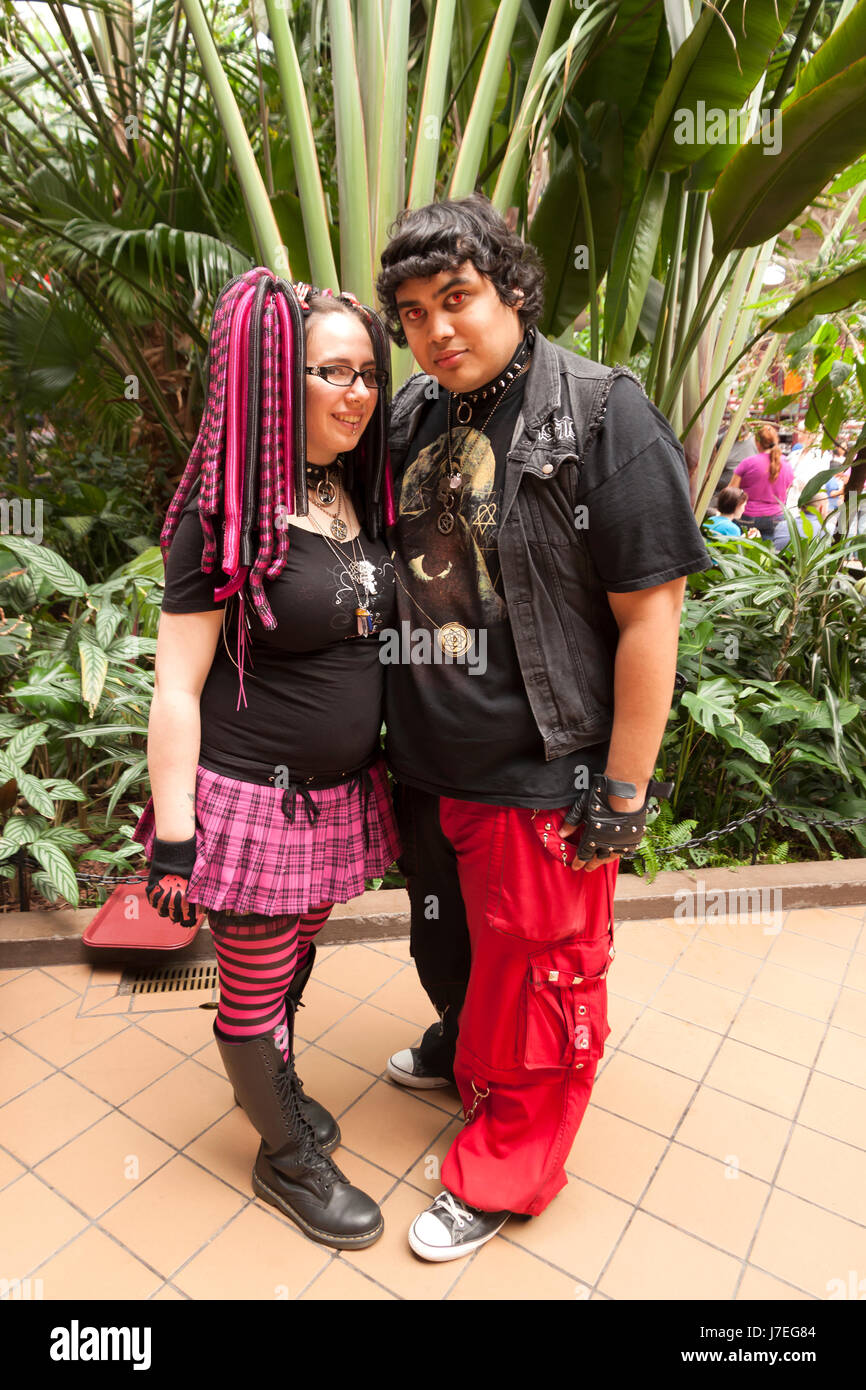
[640,526]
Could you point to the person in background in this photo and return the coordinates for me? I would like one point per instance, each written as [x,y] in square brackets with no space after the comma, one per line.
[766,476]
[731,503]
[744,446]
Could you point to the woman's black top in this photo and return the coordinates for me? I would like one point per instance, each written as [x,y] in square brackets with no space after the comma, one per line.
[313,687]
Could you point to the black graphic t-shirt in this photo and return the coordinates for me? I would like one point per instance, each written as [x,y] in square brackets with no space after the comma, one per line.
[313,688]
[465,728]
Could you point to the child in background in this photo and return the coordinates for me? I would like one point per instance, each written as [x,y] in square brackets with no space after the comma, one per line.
[731,503]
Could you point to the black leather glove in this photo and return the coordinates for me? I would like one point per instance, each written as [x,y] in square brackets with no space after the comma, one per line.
[608,831]
[171,866]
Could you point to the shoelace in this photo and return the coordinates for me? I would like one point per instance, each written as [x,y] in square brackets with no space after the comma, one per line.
[449,1205]
[310,1154]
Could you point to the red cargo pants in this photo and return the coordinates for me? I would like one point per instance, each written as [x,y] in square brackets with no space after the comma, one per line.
[533,1025]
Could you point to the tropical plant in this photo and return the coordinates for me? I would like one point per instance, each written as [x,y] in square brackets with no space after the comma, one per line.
[76,698]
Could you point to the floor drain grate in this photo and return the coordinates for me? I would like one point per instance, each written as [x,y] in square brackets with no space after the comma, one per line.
[169,978]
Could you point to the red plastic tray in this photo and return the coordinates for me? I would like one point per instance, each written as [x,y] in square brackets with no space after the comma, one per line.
[127,921]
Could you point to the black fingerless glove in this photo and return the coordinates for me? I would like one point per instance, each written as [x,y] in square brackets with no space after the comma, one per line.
[171,866]
[607,831]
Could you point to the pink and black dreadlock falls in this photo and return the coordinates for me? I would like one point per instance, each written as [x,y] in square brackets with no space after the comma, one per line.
[251,445]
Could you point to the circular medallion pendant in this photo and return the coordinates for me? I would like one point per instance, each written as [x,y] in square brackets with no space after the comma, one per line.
[339,529]
[445,522]
[326,493]
[454,638]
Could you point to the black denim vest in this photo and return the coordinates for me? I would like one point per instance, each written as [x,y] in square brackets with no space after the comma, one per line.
[564,631]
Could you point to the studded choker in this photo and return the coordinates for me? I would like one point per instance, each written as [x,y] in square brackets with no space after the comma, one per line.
[467,401]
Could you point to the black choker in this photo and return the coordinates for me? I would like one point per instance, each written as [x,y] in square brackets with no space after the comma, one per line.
[319,477]
[468,400]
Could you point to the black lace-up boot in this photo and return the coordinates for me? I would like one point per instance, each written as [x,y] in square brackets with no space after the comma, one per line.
[291,1172]
[326,1127]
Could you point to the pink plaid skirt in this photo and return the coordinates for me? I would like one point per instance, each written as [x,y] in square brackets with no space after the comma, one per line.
[251,859]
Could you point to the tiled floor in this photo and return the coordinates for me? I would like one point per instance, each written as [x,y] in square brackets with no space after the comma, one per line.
[722,1155]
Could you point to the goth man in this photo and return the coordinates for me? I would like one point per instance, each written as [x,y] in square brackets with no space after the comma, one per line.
[543,506]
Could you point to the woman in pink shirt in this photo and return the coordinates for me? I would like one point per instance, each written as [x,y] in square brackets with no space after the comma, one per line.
[766,477]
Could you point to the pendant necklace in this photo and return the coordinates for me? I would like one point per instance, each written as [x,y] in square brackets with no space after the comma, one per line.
[319,476]
[338,528]
[360,571]
[448,490]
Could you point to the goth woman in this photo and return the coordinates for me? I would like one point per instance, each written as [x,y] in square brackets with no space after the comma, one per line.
[270,801]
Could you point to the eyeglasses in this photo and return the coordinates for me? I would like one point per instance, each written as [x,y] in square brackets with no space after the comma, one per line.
[372,378]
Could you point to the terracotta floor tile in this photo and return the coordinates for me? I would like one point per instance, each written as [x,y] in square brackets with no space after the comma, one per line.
[209,1056]
[812,957]
[672,1043]
[644,1093]
[391,1261]
[10,1168]
[339,1282]
[334,1083]
[259,1255]
[697,1002]
[124,1065]
[104,1164]
[621,1014]
[76,976]
[228,1150]
[181,1104]
[833,928]
[836,1108]
[708,1199]
[34,1222]
[106,974]
[356,970]
[426,1174]
[398,948]
[13,972]
[502,1271]
[791,989]
[188,1030]
[31,996]
[751,937]
[614,1153]
[404,997]
[826,1172]
[323,1007]
[807,1247]
[63,1036]
[143,1004]
[635,979]
[778,1030]
[368,1037]
[758,1285]
[654,1261]
[48,1116]
[843,1055]
[855,976]
[718,965]
[850,1012]
[168,1217]
[167,1294]
[731,1131]
[391,1128]
[95,1267]
[103,1000]
[758,1077]
[577,1232]
[19,1069]
[648,941]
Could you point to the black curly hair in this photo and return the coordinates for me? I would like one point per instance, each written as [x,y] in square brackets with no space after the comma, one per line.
[441,236]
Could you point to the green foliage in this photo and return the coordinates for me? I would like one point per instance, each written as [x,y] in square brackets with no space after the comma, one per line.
[82,666]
